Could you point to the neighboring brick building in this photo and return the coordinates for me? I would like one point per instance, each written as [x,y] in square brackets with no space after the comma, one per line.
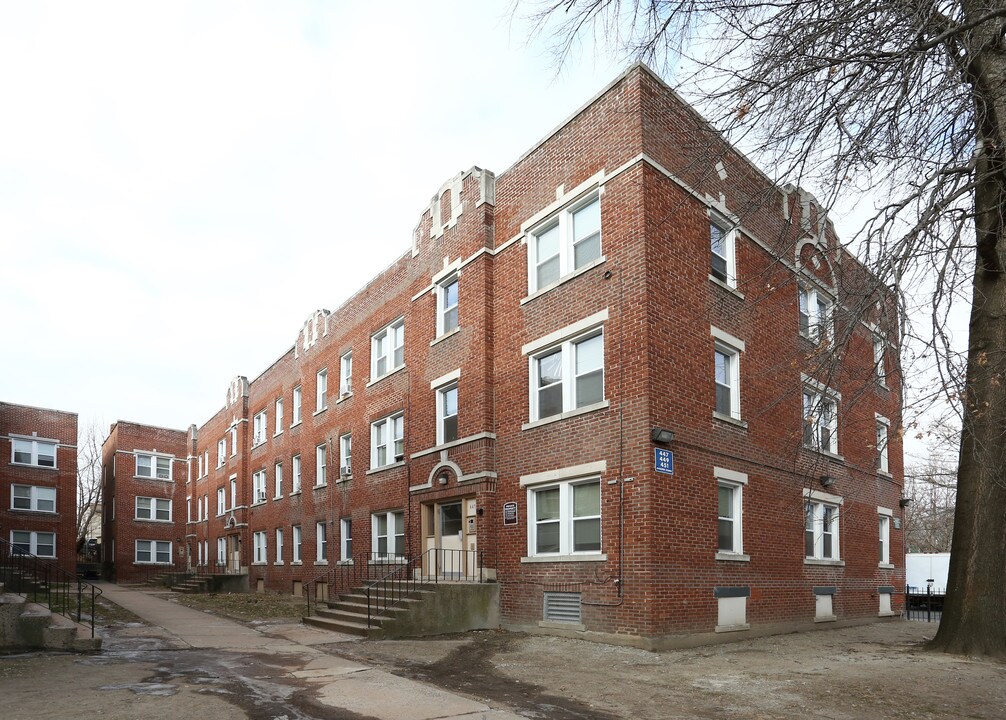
[143,471]
[502,387]
[38,482]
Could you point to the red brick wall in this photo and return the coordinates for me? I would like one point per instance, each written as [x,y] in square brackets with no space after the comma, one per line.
[46,424]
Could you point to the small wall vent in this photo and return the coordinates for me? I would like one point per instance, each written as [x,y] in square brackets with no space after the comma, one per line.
[562,607]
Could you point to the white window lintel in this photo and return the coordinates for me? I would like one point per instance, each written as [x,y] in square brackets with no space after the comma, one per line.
[573,471]
[554,338]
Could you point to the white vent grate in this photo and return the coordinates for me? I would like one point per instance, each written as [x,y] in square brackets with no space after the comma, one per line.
[562,607]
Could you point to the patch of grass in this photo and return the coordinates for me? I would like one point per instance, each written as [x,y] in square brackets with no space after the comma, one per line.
[247,607]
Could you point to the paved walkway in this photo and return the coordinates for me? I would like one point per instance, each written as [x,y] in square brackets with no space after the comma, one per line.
[337,683]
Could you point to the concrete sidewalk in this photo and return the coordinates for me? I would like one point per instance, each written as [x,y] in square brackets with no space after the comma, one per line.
[336,682]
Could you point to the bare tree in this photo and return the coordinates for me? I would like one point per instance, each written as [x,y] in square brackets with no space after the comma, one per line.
[929,519]
[89,440]
[904,101]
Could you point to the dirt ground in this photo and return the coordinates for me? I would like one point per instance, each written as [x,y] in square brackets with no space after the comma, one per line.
[877,671]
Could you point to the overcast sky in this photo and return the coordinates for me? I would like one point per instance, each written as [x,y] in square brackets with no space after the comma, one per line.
[181,184]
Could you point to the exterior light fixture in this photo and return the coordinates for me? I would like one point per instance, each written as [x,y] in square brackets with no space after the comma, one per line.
[904,502]
[442,479]
[661,436]
[827,481]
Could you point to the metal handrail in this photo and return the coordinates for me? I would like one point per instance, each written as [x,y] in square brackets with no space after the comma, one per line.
[339,579]
[42,581]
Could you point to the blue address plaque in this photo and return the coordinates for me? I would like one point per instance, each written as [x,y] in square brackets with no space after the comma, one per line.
[663,461]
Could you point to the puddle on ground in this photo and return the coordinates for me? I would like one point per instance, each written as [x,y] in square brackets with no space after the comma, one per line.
[144,688]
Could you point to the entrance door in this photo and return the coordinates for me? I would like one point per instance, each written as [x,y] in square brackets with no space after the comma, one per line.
[234,553]
[451,532]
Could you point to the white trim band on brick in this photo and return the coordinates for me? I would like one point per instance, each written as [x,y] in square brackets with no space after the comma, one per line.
[730,475]
[445,378]
[726,338]
[823,497]
[565,333]
[573,471]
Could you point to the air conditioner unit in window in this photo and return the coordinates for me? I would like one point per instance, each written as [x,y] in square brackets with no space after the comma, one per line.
[260,497]
[344,472]
[399,458]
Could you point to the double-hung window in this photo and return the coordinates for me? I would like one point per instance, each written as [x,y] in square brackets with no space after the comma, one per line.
[34,452]
[149,508]
[279,546]
[879,366]
[39,544]
[816,311]
[221,452]
[346,374]
[278,493]
[259,428]
[821,529]
[221,501]
[447,305]
[387,441]
[566,242]
[295,420]
[883,437]
[727,376]
[447,413]
[820,417]
[279,416]
[153,551]
[221,551]
[32,497]
[258,486]
[320,465]
[346,456]
[296,474]
[722,243]
[346,539]
[387,350]
[321,391]
[730,520]
[388,534]
[296,543]
[884,516]
[153,466]
[565,518]
[568,376]
[259,542]
[321,542]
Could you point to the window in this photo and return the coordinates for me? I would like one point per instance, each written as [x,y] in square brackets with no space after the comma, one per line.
[387,443]
[206,461]
[259,428]
[722,241]
[389,534]
[296,474]
[221,452]
[321,542]
[320,464]
[148,508]
[234,491]
[447,414]
[821,528]
[568,376]
[221,551]
[565,519]
[820,420]
[346,374]
[279,546]
[295,420]
[153,551]
[878,360]
[279,416]
[31,497]
[199,474]
[296,543]
[153,466]
[883,434]
[221,501]
[259,543]
[346,539]
[815,315]
[567,242]
[447,305]
[726,360]
[346,456]
[279,480]
[34,452]
[258,486]
[188,509]
[387,350]
[730,489]
[321,391]
[885,537]
[39,544]
[234,441]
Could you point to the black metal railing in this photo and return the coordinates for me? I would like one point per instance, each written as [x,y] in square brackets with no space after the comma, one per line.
[924,603]
[178,571]
[43,581]
[344,577]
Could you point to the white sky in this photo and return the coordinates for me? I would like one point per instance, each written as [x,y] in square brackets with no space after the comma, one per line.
[182,183]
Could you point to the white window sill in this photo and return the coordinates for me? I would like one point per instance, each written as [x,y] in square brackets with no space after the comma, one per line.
[884,473]
[374,471]
[277,433]
[883,385]
[345,562]
[826,453]
[297,562]
[586,557]
[37,467]
[886,566]
[387,561]
[321,485]
[278,562]
[260,563]
[257,445]
[565,416]
[344,397]
[731,628]
[278,497]
[563,280]
[734,557]
[726,286]
[823,562]
[344,478]
[319,411]
[440,338]
[454,443]
[321,562]
[35,512]
[294,492]
[376,380]
[294,424]
[730,419]
[136,477]
[153,520]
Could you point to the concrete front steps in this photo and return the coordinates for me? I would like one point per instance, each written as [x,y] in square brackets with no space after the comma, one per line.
[430,609]
[25,625]
[196,584]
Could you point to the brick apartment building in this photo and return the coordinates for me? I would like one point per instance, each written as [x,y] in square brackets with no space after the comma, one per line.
[38,482]
[143,474]
[511,391]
